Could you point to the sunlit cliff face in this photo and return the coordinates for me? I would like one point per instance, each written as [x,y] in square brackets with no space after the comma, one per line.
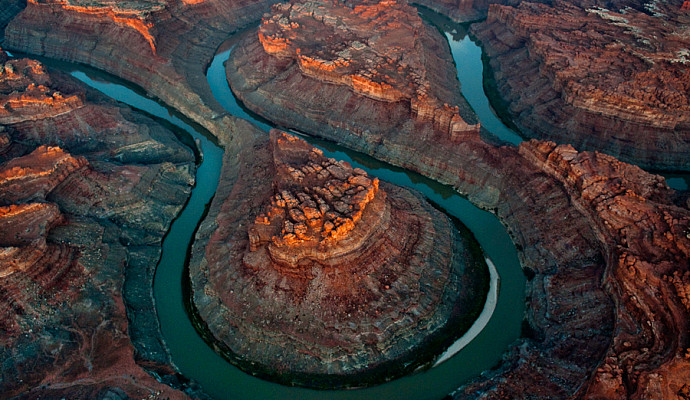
[131,14]
[374,48]
[25,95]
[374,52]
[318,203]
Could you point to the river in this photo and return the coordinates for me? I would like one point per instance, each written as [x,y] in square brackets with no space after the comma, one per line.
[196,360]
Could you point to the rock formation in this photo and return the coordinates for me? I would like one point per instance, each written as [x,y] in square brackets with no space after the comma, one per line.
[77,220]
[378,60]
[619,85]
[566,263]
[160,45]
[578,219]
[310,272]
[646,245]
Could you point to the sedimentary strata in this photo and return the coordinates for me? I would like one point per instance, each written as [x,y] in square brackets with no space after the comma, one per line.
[162,45]
[613,80]
[575,324]
[579,219]
[77,218]
[311,272]
[377,61]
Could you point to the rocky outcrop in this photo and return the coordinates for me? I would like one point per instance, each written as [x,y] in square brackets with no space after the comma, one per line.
[37,174]
[163,46]
[609,80]
[310,272]
[378,60]
[75,215]
[647,245]
[645,242]
[578,239]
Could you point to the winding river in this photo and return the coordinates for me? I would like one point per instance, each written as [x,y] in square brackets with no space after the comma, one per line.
[479,350]
[498,326]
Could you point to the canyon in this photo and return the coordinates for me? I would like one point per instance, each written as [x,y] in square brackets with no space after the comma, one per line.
[513,181]
[614,81]
[604,244]
[329,278]
[87,191]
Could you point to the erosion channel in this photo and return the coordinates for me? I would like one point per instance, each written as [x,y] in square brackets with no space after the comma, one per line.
[197,361]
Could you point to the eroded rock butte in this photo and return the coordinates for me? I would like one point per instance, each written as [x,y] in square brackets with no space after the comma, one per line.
[379,59]
[310,272]
[613,80]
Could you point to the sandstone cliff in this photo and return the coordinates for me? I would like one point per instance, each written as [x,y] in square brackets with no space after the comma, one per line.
[377,60]
[163,45]
[309,272]
[78,218]
[571,248]
[609,80]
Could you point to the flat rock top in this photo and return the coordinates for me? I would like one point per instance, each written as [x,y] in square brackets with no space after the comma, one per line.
[372,44]
[316,198]
[313,269]
[631,60]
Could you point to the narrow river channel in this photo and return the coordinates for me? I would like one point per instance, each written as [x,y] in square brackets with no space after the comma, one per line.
[198,361]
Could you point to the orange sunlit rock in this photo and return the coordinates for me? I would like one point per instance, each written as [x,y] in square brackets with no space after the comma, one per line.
[374,48]
[316,260]
[135,19]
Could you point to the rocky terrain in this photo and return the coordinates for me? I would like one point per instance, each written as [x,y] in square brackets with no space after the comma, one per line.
[87,191]
[603,244]
[614,80]
[641,228]
[386,70]
[581,316]
[161,45]
[328,277]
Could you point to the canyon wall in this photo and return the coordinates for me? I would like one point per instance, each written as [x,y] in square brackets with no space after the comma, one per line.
[619,86]
[88,189]
[578,336]
[162,46]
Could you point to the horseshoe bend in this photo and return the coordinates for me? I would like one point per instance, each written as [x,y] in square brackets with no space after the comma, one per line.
[329,277]
[304,269]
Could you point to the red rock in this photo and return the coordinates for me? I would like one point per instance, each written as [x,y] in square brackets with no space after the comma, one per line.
[619,86]
[62,313]
[324,270]
[378,50]
[26,223]
[571,316]
[160,45]
[35,175]
[647,240]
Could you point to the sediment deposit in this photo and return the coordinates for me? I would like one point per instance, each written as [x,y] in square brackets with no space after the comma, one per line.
[614,80]
[311,272]
[78,218]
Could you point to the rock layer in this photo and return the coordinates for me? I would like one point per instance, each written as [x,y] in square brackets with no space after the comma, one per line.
[76,219]
[609,80]
[309,272]
[579,235]
[162,46]
[377,59]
